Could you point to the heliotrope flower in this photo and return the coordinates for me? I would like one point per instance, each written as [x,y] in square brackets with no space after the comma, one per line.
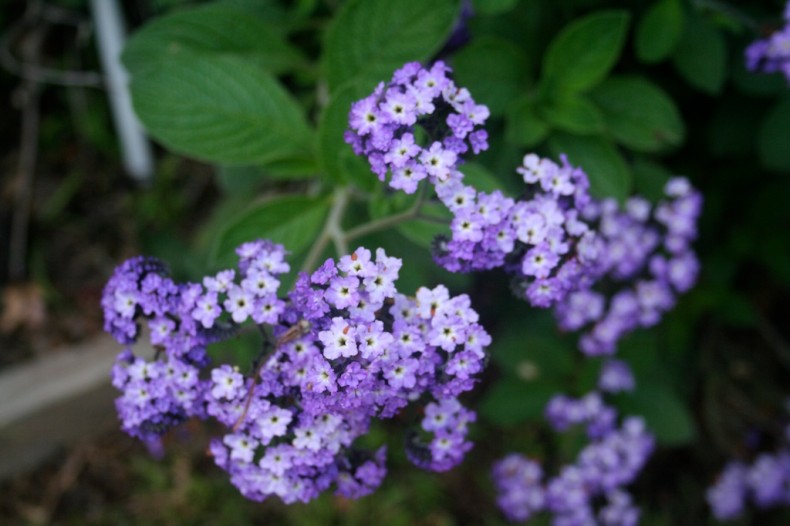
[772,54]
[589,491]
[765,482]
[342,349]
[384,126]
[645,261]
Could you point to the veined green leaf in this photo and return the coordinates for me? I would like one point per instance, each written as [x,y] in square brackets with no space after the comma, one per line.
[215,29]
[369,39]
[493,69]
[774,141]
[294,221]
[523,125]
[659,31]
[422,232]
[575,114]
[585,51]
[221,109]
[639,114]
[338,161]
[701,55]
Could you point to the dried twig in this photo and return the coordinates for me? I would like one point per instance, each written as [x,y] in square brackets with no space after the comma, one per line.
[28,95]
[30,68]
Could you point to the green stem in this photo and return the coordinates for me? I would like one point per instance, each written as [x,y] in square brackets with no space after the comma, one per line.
[332,231]
[432,219]
[729,10]
[386,222]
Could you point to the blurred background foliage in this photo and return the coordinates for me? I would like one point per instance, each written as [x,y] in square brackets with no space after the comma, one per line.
[249,100]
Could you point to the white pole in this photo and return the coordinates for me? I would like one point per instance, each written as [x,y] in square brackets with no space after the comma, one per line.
[111,34]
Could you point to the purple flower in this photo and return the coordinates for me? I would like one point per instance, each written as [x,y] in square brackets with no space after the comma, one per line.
[616,376]
[602,468]
[383,126]
[727,497]
[771,54]
[339,340]
[226,383]
[644,257]
[207,310]
[344,348]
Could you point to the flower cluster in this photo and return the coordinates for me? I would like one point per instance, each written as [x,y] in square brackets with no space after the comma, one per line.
[160,394]
[562,412]
[766,482]
[646,253]
[344,348]
[772,54]
[383,126]
[540,239]
[616,377]
[590,491]
[562,249]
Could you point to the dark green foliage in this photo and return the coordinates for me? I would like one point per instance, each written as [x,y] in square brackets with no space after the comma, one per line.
[633,92]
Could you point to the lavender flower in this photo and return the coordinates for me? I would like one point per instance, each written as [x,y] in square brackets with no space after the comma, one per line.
[590,410]
[602,469]
[345,348]
[772,54]
[383,126]
[616,376]
[520,492]
[766,482]
[539,239]
[646,252]
[726,498]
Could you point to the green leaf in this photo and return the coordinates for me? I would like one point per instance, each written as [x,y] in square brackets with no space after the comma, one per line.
[292,168]
[221,109]
[384,202]
[209,30]
[493,7]
[756,83]
[239,180]
[584,52]
[479,177]
[247,180]
[531,351]
[701,55]
[523,125]
[650,179]
[659,31]
[293,220]
[511,401]
[369,39]
[338,161]
[736,309]
[639,114]
[774,137]
[493,69]
[664,412]
[573,114]
[602,162]
[272,11]
[422,232]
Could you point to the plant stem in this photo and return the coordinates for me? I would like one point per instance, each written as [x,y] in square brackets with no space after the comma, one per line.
[386,222]
[332,231]
[729,10]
